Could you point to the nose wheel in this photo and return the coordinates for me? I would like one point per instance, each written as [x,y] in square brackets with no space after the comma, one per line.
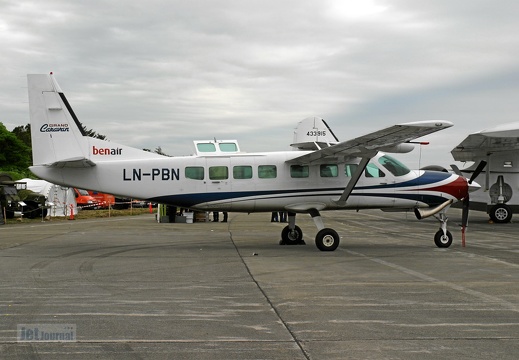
[443,239]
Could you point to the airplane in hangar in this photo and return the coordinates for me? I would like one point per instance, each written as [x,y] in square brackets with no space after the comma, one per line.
[495,153]
[320,174]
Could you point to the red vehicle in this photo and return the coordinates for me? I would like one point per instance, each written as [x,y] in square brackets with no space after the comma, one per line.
[84,200]
[104,200]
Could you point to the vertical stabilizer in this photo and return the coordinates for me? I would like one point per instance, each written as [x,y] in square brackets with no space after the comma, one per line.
[55,131]
[58,138]
[313,133]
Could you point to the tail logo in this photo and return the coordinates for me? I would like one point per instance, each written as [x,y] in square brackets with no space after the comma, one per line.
[54,128]
[106,151]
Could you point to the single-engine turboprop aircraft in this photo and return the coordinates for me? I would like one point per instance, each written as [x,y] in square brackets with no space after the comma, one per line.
[324,174]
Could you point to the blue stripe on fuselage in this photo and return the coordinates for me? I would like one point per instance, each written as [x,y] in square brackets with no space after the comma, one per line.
[427,178]
[191,200]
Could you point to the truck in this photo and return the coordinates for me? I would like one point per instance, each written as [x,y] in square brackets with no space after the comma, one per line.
[16,198]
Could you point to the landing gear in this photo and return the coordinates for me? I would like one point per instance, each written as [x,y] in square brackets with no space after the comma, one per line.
[501,213]
[443,237]
[443,240]
[500,193]
[326,239]
[291,236]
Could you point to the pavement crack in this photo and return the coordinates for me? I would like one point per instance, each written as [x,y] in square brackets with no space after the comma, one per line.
[267,299]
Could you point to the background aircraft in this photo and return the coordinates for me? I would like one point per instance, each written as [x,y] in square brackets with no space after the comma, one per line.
[495,153]
[324,175]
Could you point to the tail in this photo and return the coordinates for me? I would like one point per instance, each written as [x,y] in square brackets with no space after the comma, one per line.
[58,138]
[313,133]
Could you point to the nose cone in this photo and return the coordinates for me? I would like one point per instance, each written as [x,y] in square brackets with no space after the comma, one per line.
[473,186]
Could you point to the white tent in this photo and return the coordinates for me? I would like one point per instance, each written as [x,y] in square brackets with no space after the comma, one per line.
[59,198]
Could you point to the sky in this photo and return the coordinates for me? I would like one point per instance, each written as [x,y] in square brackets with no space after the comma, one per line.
[164,73]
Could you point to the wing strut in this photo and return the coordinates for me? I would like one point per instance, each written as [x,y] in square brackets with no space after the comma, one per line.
[353,181]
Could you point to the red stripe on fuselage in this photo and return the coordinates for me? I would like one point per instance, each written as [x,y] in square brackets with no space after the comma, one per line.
[457,188]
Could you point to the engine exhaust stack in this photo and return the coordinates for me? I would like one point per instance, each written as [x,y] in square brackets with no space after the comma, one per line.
[424,213]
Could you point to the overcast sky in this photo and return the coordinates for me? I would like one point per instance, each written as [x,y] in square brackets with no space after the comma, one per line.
[164,73]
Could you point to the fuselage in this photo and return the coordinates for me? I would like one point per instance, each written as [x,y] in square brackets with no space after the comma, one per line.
[252,182]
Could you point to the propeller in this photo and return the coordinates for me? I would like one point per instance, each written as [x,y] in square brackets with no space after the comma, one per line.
[466,201]
[478,170]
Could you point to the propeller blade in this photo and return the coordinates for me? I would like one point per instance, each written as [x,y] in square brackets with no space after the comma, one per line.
[465,212]
[478,170]
[464,218]
[456,170]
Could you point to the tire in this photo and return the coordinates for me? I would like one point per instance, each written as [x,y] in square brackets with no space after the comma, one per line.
[441,240]
[501,214]
[31,210]
[327,240]
[293,237]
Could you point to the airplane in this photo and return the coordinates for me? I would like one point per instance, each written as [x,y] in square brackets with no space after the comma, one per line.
[320,173]
[495,151]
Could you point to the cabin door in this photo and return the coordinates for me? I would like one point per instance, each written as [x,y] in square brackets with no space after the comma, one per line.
[218,183]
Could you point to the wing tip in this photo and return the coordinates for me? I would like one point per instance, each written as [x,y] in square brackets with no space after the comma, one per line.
[430,123]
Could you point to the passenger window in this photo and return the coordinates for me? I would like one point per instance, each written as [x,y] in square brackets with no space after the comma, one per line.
[206,147]
[299,171]
[349,169]
[329,170]
[267,171]
[242,172]
[228,147]
[194,172]
[218,173]
[373,171]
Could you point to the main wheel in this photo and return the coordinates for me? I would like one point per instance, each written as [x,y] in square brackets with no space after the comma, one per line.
[501,213]
[327,240]
[441,240]
[291,237]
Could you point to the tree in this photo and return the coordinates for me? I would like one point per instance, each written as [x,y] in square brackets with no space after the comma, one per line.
[23,132]
[159,151]
[92,133]
[15,155]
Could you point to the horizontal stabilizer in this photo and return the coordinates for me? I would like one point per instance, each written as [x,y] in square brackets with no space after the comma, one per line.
[73,163]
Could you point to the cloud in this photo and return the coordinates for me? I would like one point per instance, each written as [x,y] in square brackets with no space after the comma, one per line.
[162,73]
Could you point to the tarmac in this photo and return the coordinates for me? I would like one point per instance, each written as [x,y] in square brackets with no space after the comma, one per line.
[131,288]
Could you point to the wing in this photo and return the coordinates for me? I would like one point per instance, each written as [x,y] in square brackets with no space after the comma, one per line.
[478,145]
[368,145]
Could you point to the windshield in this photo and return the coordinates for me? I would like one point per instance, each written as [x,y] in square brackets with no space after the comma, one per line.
[394,166]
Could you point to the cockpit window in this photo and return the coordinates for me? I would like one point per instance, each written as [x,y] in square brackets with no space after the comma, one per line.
[394,166]
[206,147]
[373,171]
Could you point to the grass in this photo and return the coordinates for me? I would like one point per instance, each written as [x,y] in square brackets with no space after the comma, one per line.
[86,214]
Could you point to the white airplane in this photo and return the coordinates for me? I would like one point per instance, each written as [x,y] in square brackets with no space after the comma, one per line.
[323,175]
[494,150]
